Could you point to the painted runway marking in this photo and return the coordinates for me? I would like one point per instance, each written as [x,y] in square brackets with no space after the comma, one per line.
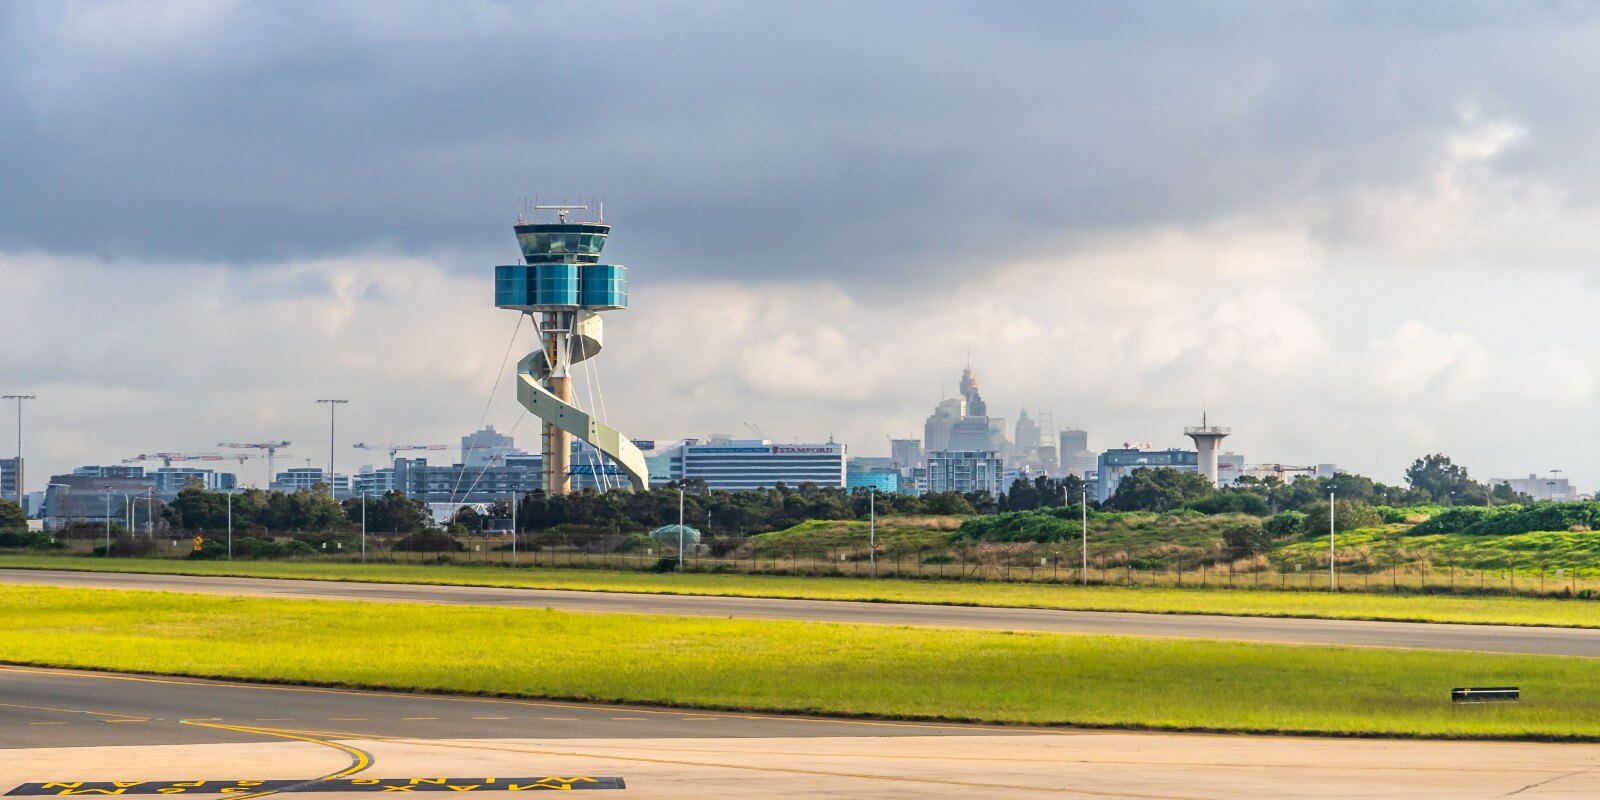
[252,787]
[417,718]
[491,718]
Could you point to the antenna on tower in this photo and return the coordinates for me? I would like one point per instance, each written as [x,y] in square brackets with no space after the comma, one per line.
[602,211]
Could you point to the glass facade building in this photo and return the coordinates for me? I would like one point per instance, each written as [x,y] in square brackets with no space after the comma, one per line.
[760,464]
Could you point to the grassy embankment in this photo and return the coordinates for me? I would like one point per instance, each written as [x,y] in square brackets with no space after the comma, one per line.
[1574,552]
[801,667]
[1267,603]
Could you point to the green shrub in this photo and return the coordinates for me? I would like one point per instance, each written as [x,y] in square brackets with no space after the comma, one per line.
[1459,518]
[1286,524]
[1227,502]
[1247,538]
[428,542]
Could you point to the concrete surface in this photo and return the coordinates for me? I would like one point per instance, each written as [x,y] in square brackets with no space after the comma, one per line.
[1484,638]
[669,754]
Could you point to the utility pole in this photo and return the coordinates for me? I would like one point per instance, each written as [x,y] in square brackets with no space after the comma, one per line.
[230,524]
[363,527]
[513,529]
[19,398]
[332,405]
[108,522]
[680,527]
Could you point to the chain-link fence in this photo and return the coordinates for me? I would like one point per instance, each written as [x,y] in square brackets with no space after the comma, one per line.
[1355,569]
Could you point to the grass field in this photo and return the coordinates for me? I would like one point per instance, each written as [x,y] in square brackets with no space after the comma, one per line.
[1420,608]
[801,667]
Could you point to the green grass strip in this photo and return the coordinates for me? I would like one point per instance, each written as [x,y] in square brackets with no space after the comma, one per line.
[821,668]
[1241,602]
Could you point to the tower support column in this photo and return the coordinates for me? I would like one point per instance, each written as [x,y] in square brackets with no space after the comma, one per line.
[558,444]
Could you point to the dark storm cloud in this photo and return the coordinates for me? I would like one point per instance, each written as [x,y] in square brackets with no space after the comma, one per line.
[755,140]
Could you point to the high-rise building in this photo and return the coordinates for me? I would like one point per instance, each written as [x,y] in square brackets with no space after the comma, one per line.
[1076,457]
[906,453]
[936,431]
[1027,437]
[486,447]
[965,471]
[564,283]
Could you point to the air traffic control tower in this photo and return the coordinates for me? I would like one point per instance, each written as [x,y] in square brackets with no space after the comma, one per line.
[564,287]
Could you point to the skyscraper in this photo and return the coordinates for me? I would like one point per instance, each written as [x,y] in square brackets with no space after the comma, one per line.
[1027,437]
[936,431]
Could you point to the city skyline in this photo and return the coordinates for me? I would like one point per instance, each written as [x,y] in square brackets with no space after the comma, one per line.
[1350,252]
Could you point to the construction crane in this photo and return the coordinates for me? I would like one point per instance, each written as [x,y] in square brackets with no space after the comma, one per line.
[271,449]
[166,459]
[397,448]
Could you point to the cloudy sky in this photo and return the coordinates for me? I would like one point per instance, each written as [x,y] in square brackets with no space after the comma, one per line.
[1357,232]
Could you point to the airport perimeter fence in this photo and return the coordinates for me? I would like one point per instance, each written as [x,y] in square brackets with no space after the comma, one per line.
[1355,569]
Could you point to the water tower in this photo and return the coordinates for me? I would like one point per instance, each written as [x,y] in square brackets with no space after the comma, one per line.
[1206,438]
[565,287]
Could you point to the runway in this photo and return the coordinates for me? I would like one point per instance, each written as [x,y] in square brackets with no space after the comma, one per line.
[1410,635]
[61,731]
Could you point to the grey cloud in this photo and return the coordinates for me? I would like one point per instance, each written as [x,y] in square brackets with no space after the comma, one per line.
[851,141]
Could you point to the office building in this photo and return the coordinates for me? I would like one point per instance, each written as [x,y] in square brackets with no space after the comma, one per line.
[488,446]
[1540,488]
[10,483]
[965,471]
[736,464]
[1115,464]
[85,499]
[1230,468]
[459,484]
[906,454]
[879,478]
[304,479]
[171,480]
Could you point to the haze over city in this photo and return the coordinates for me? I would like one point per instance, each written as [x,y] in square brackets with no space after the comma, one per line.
[1355,238]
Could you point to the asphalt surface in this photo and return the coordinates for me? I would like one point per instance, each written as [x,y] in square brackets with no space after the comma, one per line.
[75,733]
[1409,635]
[65,708]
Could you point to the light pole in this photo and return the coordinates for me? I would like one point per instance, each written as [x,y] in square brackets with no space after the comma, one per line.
[363,527]
[230,524]
[150,513]
[19,398]
[68,516]
[872,528]
[513,529]
[1333,585]
[108,523]
[1085,547]
[332,405]
[680,527]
